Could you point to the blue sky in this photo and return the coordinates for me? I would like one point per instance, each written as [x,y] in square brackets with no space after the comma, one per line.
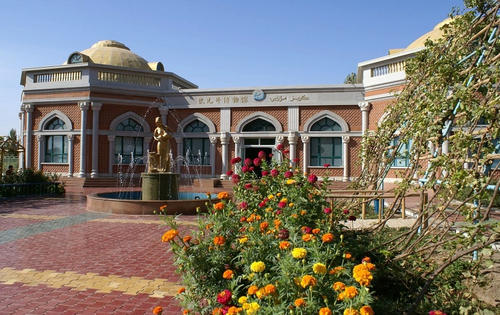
[214,44]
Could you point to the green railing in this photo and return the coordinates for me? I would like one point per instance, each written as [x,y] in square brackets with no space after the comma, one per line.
[30,189]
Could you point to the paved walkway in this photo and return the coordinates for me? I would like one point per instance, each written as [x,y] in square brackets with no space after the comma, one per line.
[57,258]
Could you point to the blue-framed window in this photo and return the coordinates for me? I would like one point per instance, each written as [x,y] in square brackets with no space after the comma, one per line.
[326,150]
[56,149]
[128,146]
[402,158]
[196,150]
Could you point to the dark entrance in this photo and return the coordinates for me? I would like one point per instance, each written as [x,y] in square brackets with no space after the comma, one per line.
[252,153]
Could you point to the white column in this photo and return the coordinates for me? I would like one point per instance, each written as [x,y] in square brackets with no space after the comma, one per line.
[305,152]
[292,141]
[41,144]
[21,138]
[224,140]
[279,140]
[70,155]
[84,106]
[96,107]
[213,143]
[29,133]
[163,109]
[365,110]
[111,150]
[179,162]
[237,141]
[345,156]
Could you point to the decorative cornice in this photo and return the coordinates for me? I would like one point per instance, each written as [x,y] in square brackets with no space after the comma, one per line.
[84,106]
[96,106]
[364,106]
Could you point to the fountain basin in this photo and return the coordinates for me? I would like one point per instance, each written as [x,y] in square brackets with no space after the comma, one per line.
[129,202]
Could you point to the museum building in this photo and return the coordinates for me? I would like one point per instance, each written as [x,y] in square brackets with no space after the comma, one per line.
[94,116]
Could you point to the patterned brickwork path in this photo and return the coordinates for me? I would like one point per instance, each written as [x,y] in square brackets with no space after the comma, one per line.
[57,258]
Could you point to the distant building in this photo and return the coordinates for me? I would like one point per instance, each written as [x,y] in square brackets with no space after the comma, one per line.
[96,112]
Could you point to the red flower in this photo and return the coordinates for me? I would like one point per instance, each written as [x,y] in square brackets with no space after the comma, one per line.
[274,172]
[251,168]
[262,204]
[261,155]
[229,173]
[352,218]
[244,169]
[256,161]
[235,160]
[437,313]
[248,161]
[327,210]
[288,174]
[296,160]
[278,212]
[286,151]
[283,234]
[312,178]
[280,146]
[243,205]
[281,204]
[270,155]
[236,178]
[346,211]
[224,297]
[306,230]
[265,173]
[326,165]
[248,186]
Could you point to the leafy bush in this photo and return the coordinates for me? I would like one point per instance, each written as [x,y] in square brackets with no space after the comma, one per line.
[276,247]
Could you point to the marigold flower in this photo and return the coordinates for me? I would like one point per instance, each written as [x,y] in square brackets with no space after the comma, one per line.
[242,299]
[257,266]
[307,281]
[319,268]
[299,302]
[338,286]
[347,256]
[252,290]
[307,237]
[163,207]
[224,297]
[157,310]
[299,253]
[435,312]
[223,195]
[260,293]
[219,240]
[291,204]
[253,308]
[228,274]
[366,310]
[303,212]
[277,223]
[270,289]
[186,238]
[335,270]
[362,275]
[290,181]
[327,238]
[185,312]
[348,293]
[295,215]
[351,311]
[217,311]
[233,310]
[263,226]
[306,229]
[181,290]
[325,311]
[284,245]
[243,240]
[169,235]
[316,231]
[366,260]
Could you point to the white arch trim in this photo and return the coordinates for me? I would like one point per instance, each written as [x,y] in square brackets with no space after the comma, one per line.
[261,115]
[326,113]
[132,115]
[55,113]
[196,116]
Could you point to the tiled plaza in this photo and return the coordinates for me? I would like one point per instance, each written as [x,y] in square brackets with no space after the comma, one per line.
[57,258]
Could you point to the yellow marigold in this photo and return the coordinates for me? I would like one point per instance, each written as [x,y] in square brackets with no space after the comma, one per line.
[219,206]
[290,181]
[284,245]
[260,293]
[252,289]
[327,238]
[325,311]
[362,275]
[319,268]
[263,226]
[169,235]
[299,253]
[223,195]
[278,195]
[299,302]
[270,289]
[233,310]
[157,310]
[243,240]
[181,290]
[242,299]
[348,293]
[270,197]
[219,240]
[253,308]
[291,204]
[284,200]
[366,310]
[347,255]
[307,237]
[316,231]
[257,266]
[338,286]
[335,270]
[351,311]
[307,281]
[228,274]
[295,215]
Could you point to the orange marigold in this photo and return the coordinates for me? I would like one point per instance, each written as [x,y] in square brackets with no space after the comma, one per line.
[327,238]
[325,311]
[299,302]
[223,195]
[163,207]
[157,310]
[252,290]
[338,286]
[181,290]
[217,311]
[263,226]
[228,274]
[169,235]
[347,256]
[351,311]
[186,238]
[270,289]
[219,206]
[362,275]
[366,310]
[219,240]
[335,270]
[185,312]
[308,280]
[233,310]
[348,293]
[316,231]
[284,245]
[277,223]
[307,237]
[366,260]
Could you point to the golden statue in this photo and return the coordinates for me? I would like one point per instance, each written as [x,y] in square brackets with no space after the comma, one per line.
[159,161]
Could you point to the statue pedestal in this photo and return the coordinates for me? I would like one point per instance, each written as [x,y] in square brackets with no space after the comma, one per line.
[160,186]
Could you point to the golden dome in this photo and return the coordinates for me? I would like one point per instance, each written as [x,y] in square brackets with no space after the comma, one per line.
[110,52]
[436,33]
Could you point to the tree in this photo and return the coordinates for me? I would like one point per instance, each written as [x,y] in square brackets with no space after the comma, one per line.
[351,78]
[12,140]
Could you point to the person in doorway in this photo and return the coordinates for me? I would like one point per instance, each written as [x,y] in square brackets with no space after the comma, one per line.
[9,171]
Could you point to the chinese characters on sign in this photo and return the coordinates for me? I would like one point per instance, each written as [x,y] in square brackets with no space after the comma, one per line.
[244,99]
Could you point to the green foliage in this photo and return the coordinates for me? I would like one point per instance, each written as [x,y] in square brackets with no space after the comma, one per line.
[351,78]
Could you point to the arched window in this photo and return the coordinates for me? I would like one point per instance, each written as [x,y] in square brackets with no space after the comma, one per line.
[326,150]
[129,145]
[259,124]
[196,147]
[402,158]
[56,148]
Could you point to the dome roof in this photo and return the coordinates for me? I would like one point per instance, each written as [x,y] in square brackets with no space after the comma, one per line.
[436,33]
[110,52]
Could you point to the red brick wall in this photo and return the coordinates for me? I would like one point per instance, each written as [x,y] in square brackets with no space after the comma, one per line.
[351,115]
[280,113]
[70,110]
